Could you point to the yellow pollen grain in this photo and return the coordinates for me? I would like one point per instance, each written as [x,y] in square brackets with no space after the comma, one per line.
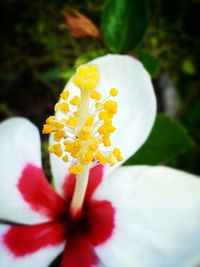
[58,135]
[47,129]
[103,115]
[110,159]
[65,158]
[68,146]
[76,169]
[113,92]
[83,70]
[117,154]
[75,113]
[89,121]
[93,146]
[56,149]
[88,84]
[64,107]
[57,125]
[95,95]
[64,95]
[74,101]
[78,80]
[106,140]
[101,158]
[94,77]
[111,106]
[93,68]
[72,121]
[50,119]
[98,105]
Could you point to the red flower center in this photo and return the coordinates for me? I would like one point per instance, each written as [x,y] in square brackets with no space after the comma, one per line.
[93,227]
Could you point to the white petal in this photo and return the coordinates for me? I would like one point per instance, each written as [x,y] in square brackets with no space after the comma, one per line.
[157,218]
[136,105]
[19,145]
[40,258]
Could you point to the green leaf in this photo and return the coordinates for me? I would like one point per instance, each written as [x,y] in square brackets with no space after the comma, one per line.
[150,63]
[67,74]
[168,139]
[124,23]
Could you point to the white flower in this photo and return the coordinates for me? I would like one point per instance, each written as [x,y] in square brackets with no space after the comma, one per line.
[137,216]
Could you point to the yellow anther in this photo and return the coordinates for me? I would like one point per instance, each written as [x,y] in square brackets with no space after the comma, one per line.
[75,113]
[57,125]
[117,154]
[76,169]
[106,140]
[103,115]
[89,156]
[65,158]
[56,149]
[89,127]
[111,159]
[93,146]
[77,144]
[111,106]
[109,127]
[113,92]
[83,136]
[83,70]
[47,129]
[93,68]
[50,119]
[83,159]
[74,154]
[74,101]
[68,146]
[58,135]
[72,121]
[64,95]
[94,77]
[95,95]
[57,107]
[78,79]
[86,158]
[88,84]
[101,158]
[102,129]
[89,121]
[98,105]
[64,107]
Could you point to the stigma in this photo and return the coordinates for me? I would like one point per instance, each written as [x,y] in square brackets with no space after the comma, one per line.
[83,134]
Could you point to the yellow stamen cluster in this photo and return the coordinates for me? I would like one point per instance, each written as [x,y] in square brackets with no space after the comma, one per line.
[85,124]
[86,77]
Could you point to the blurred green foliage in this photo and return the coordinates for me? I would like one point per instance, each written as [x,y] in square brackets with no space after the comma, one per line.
[124,24]
[39,56]
[167,140]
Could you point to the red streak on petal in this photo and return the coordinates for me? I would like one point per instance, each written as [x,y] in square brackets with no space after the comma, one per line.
[22,240]
[95,178]
[101,216]
[79,252]
[94,227]
[39,194]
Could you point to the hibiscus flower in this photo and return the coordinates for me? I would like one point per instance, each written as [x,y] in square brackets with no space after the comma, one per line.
[129,216]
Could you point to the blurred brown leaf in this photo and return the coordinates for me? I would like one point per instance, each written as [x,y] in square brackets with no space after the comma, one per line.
[79,25]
